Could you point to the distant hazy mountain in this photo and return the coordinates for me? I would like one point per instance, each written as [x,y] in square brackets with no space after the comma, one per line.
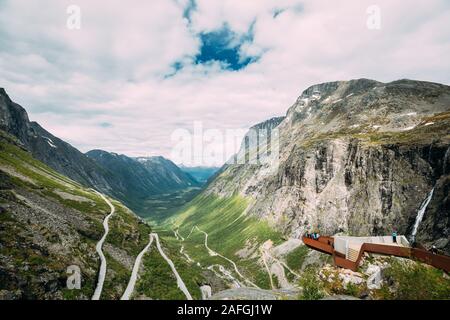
[167,174]
[201,174]
[138,178]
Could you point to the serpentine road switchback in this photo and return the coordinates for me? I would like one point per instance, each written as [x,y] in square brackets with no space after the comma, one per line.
[134,274]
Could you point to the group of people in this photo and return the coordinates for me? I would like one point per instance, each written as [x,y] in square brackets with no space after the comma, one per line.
[313,235]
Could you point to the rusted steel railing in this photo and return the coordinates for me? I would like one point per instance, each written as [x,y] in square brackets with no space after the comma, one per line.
[325,245]
[436,260]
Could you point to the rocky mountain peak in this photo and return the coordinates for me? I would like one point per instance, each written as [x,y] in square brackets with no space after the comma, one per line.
[366,105]
[323,90]
[13,118]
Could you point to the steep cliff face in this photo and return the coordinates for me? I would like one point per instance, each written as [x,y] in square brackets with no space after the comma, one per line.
[355,157]
[12,117]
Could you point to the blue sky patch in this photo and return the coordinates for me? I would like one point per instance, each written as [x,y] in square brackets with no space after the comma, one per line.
[223,45]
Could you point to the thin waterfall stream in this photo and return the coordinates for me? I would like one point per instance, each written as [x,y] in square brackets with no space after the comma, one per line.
[420,214]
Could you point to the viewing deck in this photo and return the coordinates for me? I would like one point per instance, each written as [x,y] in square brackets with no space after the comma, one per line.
[347,252]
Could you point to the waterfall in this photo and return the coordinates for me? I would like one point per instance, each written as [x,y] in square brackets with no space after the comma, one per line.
[444,166]
[420,213]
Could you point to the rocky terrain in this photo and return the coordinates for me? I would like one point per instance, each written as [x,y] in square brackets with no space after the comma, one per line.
[355,157]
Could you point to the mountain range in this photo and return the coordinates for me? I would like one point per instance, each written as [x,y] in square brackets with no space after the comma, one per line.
[127,179]
[200,173]
[354,157]
[357,157]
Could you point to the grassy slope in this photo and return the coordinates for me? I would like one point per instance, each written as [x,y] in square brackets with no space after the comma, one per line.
[156,208]
[413,281]
[157,280]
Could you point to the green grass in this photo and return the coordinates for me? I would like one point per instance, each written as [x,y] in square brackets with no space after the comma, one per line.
[312,287]
[157,208]
[296,257]
[157,280]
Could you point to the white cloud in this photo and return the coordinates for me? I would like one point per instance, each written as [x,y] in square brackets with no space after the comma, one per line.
[112,70]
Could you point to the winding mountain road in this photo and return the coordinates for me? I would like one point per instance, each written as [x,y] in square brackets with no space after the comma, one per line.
[133,278]
[214,253]
[177,235]
[225,274]
[98,248]
[134,274]
[186,255]
[282,264]
[180,282]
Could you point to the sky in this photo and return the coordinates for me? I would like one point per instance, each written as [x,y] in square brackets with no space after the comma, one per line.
[138,74]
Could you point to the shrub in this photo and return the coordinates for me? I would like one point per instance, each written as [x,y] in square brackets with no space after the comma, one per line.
[414,281]
[311,285]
